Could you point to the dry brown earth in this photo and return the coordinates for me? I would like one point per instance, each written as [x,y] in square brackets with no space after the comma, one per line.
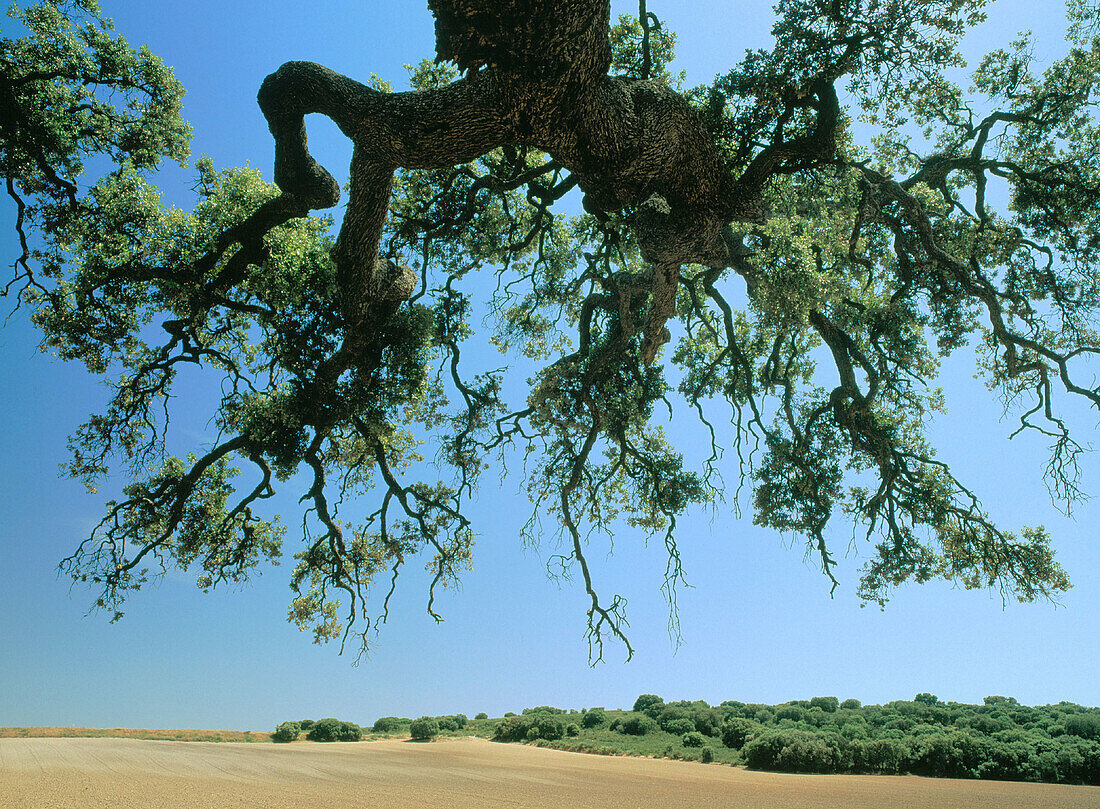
[457,774]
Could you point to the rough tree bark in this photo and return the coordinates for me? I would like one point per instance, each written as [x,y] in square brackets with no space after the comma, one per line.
[536,75]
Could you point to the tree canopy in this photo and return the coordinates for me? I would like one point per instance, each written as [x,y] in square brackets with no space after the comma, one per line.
[742,259]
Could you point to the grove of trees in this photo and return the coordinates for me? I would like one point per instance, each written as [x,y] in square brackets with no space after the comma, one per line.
[736,257]
[999,739]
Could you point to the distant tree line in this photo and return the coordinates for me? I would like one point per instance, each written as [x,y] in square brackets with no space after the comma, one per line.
[999,739]
[336,730]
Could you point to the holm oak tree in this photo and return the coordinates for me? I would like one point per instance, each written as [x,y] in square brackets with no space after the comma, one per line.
[740,256]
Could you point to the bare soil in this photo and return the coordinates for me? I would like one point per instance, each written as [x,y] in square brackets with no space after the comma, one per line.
[81,773]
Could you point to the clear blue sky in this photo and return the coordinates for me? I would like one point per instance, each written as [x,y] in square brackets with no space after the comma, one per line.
[758,624]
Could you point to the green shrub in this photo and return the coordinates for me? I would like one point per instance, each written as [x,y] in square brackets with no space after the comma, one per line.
[707,756]
[386,724]
[851,704]
[424,728]
[324,730]
[795,713]
[482,715]
[1085,725]
[543,709]
[637,725]
[648,702]
[677,727]
[693,739]
[708,721]
[461,720]
[447,723]
[287,732]
[572,729]
[737,731]
[883,755]
[594,718]
[530,727]
[792,751]
[509,713]
[827,704]
[673,713]
[306,724]
[334,730]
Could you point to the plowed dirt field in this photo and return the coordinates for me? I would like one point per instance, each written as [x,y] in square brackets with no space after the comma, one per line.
[456,774]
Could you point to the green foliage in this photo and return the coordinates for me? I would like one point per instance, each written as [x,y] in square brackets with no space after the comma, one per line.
[424,728]
[693,739]
[1087,726]
[737,731]
[827,704]
[875,257]
[447,723]
[1000,739]
[792,751]
[647,703]
[677,727]
[334,730]
[634,725]
[594,718]
[386,724]
[287,732]
[481,715]
[531,726]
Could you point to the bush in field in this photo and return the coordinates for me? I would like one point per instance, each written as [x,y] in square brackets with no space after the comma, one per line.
[708,721]
[543,709]
[306,724]
[648,702]
[851,704]
[452,722]
[572,729]
[792,751]
[530,727]
[482,715]
[447,723]
[334,730]
[548,726]
[694,739]
[637,725]
[827,704]
[737,731]
[883,755]
[670,714]
[707,756]
[387,724]
[424,728]
[677,727]
[594,718]
[324,730]
[286,732]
